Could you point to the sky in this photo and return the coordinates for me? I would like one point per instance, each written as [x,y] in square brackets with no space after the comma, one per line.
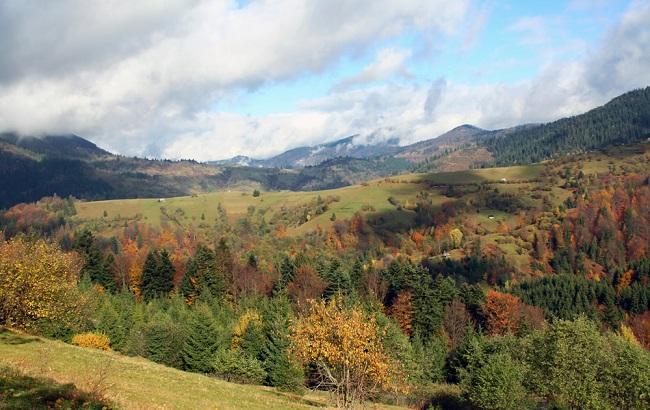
[211,79]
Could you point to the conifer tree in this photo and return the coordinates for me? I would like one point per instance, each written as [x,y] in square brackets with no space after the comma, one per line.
[202,341]
[111,323]
[282,372]
[96,268]
[157,275]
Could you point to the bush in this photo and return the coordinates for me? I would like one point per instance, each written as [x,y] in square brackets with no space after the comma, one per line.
[92,340]
[497,384]
[235,366]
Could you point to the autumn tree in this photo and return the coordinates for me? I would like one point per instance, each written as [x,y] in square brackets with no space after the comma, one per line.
[37,282]
[640,325]
[402,312]
[456,321]
[305,285]
[345,346]
[501,312]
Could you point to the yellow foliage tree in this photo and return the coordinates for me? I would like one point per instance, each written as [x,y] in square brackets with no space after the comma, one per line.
[37,281]
[456,237]
[249,317]
[92,340]
[345,346]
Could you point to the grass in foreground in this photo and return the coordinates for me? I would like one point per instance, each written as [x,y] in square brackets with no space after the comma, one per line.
[18,391]
[128,382]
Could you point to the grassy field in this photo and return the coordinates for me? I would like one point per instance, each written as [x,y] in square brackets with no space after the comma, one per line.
[28,363]
[370,197]
[490,175]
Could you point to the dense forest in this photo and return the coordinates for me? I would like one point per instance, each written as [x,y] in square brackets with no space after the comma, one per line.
[435,303]
[623,120]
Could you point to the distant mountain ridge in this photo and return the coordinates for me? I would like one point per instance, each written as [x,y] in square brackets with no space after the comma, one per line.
[357,147]
[32,167]
[61,146]
[314,155]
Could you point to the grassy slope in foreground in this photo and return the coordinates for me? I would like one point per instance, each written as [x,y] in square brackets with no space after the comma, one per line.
[136,383]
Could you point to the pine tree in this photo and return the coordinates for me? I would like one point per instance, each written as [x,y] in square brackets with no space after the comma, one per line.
[96,268]
[166,273]
[287,272]
[157,275]
[111,323]
[149,275]
[202,341]
[281,371]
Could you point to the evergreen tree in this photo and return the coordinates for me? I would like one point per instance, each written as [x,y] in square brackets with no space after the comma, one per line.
[163,341]
[111,323]
[281,371]
[202,341]
[287,270]
[96,268]
[203,274]
[157,275]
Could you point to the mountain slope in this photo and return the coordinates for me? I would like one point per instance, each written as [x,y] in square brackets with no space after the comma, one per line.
[73,166]
[352,147]
[423,150]
[59,146]
[625,119]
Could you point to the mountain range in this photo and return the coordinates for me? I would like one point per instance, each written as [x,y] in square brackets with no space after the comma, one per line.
[33,167]
[299,157]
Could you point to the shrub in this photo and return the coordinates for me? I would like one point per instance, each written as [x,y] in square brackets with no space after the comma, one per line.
[497,384]
[235,366]
[92,340]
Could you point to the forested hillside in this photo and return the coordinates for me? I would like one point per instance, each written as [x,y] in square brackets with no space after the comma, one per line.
[32,168]
[623,120]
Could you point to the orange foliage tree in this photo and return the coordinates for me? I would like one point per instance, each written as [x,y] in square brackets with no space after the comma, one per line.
[402,312]
[502,312]
[345,345]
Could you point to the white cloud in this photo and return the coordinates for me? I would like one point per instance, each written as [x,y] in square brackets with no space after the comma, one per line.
[153,88]
[127,76]
[388,62]
[413,112]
